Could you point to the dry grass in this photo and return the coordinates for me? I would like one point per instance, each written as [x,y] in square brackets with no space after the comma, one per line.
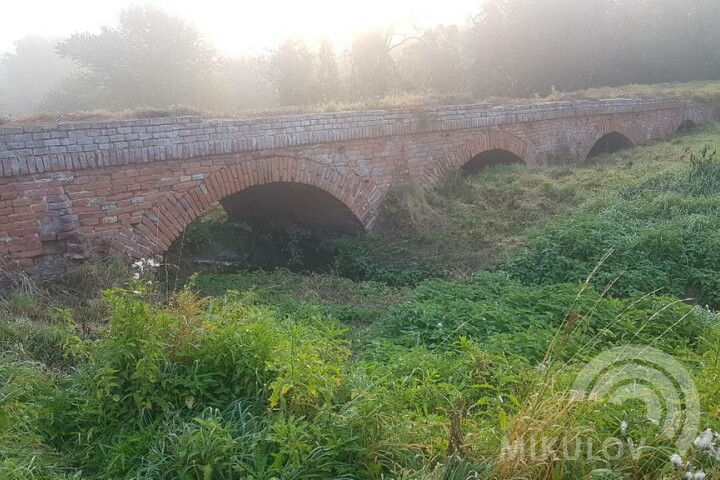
[395,101]
[15,279]
[99,115]
[704,92]
[533,443]
[708,92]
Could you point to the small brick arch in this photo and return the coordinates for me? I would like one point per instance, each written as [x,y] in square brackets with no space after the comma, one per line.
[164,221]
[688,117]
[483,142]
[697,114]
[628,130]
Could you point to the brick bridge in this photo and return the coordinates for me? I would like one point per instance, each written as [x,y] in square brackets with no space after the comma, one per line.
[70,190]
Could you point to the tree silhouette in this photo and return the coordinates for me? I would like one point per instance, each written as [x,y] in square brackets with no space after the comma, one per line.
[150,59]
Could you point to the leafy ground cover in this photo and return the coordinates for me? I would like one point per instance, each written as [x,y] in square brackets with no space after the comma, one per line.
[427,367]
[235,386]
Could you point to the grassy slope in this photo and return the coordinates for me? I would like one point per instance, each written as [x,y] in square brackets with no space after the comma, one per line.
[471,223]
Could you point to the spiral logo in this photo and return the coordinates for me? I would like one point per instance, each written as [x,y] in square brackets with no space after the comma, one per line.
[644,373]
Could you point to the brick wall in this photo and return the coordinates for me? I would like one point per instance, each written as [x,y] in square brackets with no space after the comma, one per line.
[70,189]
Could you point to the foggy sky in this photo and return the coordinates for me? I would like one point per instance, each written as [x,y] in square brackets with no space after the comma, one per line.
[240,26]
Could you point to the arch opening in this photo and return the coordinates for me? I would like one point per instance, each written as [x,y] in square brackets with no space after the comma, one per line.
[275,225]
[490,158]
[278,205]
[610,143]
[686,126]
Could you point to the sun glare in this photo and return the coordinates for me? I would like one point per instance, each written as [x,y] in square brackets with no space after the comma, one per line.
[241,27]
[244,27]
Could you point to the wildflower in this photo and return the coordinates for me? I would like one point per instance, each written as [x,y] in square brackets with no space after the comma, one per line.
[688,476]
[704,441]
[623,427]
[136,292]
[153,263]
[699,475]
[136,276]
[676,460]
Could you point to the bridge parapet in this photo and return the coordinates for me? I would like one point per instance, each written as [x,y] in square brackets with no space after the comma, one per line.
[43,148]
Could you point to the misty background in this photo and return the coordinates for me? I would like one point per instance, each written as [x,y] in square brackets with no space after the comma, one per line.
[151,58]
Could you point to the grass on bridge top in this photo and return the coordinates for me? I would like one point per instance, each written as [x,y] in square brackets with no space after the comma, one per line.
[704,92]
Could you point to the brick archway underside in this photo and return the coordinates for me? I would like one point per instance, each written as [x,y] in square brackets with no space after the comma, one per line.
[343,193]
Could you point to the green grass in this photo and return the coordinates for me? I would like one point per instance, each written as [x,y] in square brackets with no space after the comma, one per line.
[663,235]
[234,387]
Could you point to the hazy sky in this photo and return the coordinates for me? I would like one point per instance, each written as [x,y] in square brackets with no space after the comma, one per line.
[239,26]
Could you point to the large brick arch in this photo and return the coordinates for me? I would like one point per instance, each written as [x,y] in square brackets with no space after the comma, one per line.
[164,221]
[483,142]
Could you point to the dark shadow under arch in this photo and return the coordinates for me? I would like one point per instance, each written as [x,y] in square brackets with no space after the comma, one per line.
[278,205]
[267,226]
[609,143]
[686,126]
[490,158]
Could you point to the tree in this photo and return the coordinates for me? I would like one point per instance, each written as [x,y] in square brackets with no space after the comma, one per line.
[328,80]
[371,62]
[526,47]
[291,71]
[150,59]
[240,85]
[436,61]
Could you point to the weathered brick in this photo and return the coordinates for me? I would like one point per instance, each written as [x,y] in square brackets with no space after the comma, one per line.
[135,184]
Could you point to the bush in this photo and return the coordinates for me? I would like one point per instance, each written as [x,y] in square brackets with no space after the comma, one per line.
[155,364]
